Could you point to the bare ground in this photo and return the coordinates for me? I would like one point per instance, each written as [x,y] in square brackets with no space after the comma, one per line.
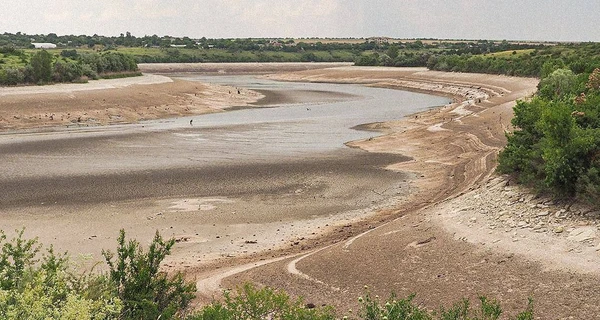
[464,232]
[113,101]
[448,241]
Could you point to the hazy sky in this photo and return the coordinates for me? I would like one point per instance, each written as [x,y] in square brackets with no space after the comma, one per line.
[560,20]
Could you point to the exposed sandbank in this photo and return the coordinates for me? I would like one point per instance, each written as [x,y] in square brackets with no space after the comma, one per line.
[113,101]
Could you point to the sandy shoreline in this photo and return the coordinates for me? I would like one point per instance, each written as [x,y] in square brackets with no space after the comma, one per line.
[444,242]
[461,234]
[114,101]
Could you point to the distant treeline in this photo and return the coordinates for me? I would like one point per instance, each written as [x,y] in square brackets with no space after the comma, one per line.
[369,51]
[43,67]
[482,56]
[21,40]
[424,54]
[509,59]
[580,58]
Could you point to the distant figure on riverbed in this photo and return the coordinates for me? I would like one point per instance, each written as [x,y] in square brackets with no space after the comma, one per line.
[192,120]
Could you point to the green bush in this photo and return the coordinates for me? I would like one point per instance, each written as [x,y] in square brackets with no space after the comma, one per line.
[405,309]
[558,84]
[31,288]
[248,302]
[88,71]
[372,309]
[35,285]
[146,292]
[41,62]
[556,147]
[12,76]
[67,71]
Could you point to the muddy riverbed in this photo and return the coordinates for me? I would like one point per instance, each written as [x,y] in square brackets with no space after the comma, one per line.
[223,184]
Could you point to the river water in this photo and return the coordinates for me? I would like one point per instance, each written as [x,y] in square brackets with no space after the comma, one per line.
[281,131]
[276,172]
[302,127]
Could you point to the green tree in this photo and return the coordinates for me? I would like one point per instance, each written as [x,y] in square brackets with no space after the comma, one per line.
[393,51]
[67,71]
[558,84]
[69,54]
[41,62]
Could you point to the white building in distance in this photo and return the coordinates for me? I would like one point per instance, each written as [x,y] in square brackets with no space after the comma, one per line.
[42,45]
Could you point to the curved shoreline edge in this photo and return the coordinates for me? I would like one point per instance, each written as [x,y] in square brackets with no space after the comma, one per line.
[465,231]
[451,152]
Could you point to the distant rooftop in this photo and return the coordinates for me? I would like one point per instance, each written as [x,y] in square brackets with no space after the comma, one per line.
[43,45]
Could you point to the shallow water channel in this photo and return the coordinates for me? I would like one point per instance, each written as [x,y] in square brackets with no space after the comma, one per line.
[321,117]
[280,131]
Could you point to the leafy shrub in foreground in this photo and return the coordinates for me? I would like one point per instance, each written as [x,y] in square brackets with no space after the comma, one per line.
[372,309]
[147,292]
[31,288]
[36,285]
[248,302]
[405,309]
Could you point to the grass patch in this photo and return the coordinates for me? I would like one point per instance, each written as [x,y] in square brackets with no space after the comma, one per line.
[509,53]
